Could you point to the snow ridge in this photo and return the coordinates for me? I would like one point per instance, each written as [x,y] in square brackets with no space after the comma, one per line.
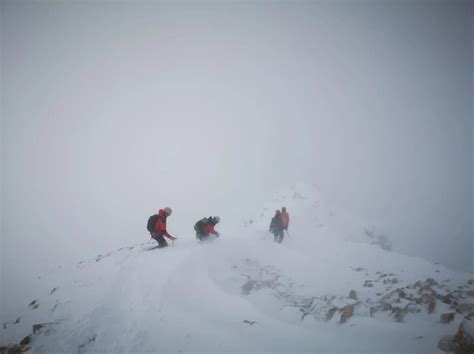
[303,295]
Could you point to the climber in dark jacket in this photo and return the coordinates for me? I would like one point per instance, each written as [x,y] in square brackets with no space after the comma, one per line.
[276,227]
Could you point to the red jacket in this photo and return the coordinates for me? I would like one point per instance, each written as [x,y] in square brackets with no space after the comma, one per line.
[160,226]
[208,229]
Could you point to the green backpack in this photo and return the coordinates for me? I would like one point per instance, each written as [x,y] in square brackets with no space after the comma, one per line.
[198,226]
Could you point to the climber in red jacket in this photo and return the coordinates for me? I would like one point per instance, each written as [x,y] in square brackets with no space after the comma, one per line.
[160,231]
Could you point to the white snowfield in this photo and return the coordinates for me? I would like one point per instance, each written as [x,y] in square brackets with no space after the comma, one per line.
[244,293]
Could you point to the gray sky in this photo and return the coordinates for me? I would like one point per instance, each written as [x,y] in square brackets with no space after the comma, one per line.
[111,110]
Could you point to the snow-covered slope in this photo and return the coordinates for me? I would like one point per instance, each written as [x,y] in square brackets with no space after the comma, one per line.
[316,218]
[245,293]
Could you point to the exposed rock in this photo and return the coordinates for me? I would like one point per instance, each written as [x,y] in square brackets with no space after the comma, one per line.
[37,328]
[25,341]
[13,323]
[347,312]
[412,307]
[15,349]
[368,284]
[447,344]
[84,345]
[425,285]
[331,313]
[426,290]
[464,338]
[248,286]
[359,269]
[390,281]
[34,304]
[402,294]
[427,298]
[373,310]
[457,294]
[353,295]
[446,299]
[385,306]
[464,308]
[399,314]
[431,305]
[394,295]
[462,342]
[447,317]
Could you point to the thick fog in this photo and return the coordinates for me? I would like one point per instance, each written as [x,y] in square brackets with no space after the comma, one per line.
[111,110]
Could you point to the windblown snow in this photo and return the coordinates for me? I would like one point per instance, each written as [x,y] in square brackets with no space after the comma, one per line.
[333,285]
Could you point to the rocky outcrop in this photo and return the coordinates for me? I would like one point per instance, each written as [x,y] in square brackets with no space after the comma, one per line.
[353,295]
[21,347]
[422,296]
[346,313]
[399,313]
[447,344]
[378,239]
[447,317]
[462,342]
[25,344]
[368,284]
[331,313]
[464,308]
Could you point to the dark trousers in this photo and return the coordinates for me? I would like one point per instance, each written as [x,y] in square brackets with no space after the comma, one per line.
[278,236]
[160,239]
[201,236]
